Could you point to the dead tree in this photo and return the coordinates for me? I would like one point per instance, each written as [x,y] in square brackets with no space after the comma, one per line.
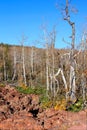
[83,83]
[47,58]
[23,59]
[72,87]
[49,39]
[32,60]
[4,65]
[54,79]
[14,65]
[47,67]
[53,38]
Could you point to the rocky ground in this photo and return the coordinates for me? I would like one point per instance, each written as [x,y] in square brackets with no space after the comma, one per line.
[22,112]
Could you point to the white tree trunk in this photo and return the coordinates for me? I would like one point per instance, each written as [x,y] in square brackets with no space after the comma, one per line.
[53,78]
[23,62]
[72,84]
[4,66]
[14,74]
[32,60]
[83,82]
[63,77]
[72,79]
[47,68]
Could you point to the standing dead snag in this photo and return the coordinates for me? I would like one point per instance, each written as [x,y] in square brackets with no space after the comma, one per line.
[14,66]
[72,87]
[32,60]
[83,83]
[49,39]
[54,81]
[47,67]
[47,58]
[72,24]
[23,60]
[4,65]
[63,77]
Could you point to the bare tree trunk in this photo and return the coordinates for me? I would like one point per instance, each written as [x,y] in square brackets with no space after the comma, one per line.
[55,80]
[51,81]
[23,62]
[83,82]
[47,59]
[72,84]
[32,60]
[53,69]
[53,66]
[47,68]
[72,64]
[14,73]
[4,65]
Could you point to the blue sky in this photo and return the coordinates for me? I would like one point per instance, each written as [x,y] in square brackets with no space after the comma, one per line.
[19,17]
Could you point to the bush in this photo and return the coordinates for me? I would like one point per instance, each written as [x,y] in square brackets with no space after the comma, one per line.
[76,107]
[2,85]
[45,101]
[31,90]
[60,105]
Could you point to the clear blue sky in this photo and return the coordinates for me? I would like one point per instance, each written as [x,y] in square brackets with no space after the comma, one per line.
[27,16]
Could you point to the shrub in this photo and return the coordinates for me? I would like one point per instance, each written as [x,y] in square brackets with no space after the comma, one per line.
[31,90]
[45,101]
[2,85]
[60,105]
[76,107]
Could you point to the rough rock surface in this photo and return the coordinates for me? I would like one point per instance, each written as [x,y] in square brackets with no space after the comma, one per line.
[22,112]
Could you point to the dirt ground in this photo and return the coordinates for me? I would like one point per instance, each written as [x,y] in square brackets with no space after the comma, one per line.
[23,112]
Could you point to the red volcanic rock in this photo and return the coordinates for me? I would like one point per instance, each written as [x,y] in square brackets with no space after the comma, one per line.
[20,122]
[52,119]
[78,127]
[22,112]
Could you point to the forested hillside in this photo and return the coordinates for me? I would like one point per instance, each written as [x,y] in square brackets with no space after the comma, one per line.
[49,68]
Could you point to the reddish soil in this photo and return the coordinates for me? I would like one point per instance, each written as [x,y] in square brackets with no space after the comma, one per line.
[23,112]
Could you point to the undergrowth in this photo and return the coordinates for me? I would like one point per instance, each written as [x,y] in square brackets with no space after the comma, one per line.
[31,90]
[46,102]
[2,85]
[41,91]
[76,107]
